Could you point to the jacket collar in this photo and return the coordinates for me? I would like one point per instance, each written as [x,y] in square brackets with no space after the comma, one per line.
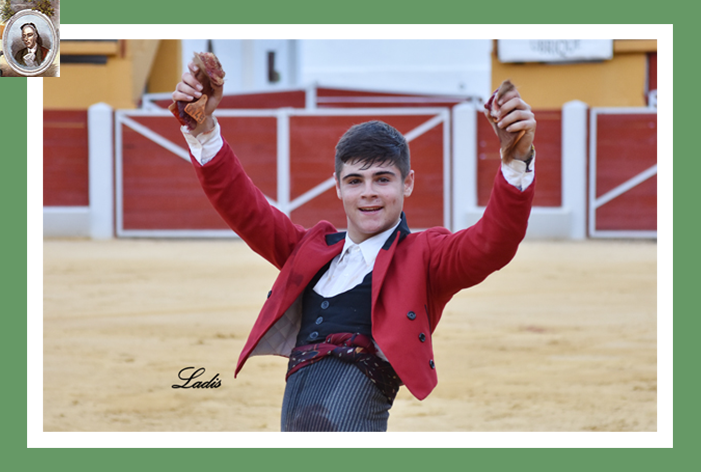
[402,231]
[335,238]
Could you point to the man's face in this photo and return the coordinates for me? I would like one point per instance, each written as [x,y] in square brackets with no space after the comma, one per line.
[29,37]
[373,198]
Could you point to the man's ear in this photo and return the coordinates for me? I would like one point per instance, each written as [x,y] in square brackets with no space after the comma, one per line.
[409,183]
[338,186]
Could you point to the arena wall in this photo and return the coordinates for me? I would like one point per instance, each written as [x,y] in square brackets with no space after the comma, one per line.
[286,141]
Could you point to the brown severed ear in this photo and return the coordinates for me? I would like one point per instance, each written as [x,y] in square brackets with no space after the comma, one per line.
[210,73]
[508,140]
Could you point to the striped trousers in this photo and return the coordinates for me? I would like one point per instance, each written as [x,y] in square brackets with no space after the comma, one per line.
[332,395]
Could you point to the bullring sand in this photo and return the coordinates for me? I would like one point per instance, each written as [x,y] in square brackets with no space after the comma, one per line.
[562,339]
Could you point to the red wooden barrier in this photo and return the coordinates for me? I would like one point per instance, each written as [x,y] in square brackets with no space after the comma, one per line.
[66,158]
[548,143]
[626,146]
[160,191]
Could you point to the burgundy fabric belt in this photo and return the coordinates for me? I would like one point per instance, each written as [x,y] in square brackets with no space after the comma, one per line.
[354,348]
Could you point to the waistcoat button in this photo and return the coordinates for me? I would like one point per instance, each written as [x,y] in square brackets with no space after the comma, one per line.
[411,315]
[422,337]
[324,304]
[433,366]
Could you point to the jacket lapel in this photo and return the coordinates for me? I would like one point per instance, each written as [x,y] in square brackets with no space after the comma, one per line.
[384,257]
[309,259]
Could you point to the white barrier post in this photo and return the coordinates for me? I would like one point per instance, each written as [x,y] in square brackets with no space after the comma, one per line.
[283,160]
[464,181]
[310,97]
[100,171]
[574,166]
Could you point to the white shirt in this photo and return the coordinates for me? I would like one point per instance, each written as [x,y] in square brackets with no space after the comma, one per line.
[30,57]
[204,146]
[350,267]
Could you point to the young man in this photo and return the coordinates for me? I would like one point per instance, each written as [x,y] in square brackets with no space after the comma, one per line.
[354,311]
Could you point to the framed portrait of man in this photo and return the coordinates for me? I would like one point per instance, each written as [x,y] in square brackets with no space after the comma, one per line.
[30,44]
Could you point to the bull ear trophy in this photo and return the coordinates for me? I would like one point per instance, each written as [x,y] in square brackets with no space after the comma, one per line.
[508,140]
[210,73]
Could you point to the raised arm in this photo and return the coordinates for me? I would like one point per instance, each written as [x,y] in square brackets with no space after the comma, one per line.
[268,231]
[467,257]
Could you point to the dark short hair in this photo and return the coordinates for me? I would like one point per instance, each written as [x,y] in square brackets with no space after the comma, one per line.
[36,32]
[31,25]
[373,142]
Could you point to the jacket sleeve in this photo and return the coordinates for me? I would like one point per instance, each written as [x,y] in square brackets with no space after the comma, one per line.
[265,229]
[465,258]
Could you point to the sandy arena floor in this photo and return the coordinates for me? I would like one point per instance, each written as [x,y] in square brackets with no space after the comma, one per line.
[571,348]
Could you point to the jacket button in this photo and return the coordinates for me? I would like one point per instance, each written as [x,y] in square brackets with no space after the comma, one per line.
[431,363]
[324,304]
[315,335]
[422,337]
[320,320]
[411,315]
[270,293]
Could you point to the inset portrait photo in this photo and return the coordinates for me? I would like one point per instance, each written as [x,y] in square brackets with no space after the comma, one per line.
[30,45]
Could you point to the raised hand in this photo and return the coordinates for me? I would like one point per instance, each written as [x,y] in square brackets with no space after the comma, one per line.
[199,93]
[513,122]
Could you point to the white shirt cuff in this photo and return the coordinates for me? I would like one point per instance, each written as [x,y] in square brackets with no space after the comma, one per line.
[205,145]
[518,174]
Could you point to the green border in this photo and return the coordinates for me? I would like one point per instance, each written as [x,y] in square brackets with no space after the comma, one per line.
[13,92]
[364,12]
[13,204]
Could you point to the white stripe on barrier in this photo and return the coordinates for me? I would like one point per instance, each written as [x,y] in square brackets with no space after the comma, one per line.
[389,99]
[313,193]
[625,186]
[421,129]
[155,137]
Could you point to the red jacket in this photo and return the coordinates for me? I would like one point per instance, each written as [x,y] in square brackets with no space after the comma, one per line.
[414,276]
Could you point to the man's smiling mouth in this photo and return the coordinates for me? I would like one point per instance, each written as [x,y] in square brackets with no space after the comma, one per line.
[370,209]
